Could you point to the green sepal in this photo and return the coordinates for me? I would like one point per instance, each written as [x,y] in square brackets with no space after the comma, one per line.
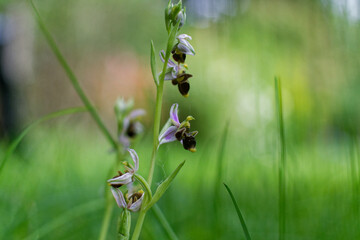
[164,186]
[153,64]
[124,225]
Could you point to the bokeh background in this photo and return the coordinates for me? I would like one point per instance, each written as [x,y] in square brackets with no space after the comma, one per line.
[53,185]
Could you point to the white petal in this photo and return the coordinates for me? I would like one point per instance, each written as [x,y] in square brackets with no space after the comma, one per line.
[136,205]
[123,179]
[119,197]
[135,159]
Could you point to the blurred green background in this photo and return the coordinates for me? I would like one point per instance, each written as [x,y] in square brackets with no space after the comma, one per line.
[53,185]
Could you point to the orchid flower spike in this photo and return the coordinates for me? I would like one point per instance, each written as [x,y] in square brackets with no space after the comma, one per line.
[182,48]
[177,75]
[179,131]
[128,121]
[127,177]
[132,203]
[173,14]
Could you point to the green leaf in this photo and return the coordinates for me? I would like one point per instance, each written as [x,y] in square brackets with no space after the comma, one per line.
[164,186]
[17,141]
[242,221]
[153,64]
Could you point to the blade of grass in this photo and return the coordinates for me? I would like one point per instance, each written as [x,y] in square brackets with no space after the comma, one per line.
[354,177]
[219,180]
[50,40]
[241,218]
[17,140]
[282,180]
[164,223]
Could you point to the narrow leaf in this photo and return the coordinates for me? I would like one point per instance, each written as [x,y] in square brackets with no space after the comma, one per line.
[164,186]
[153,64]
[164,223]
[241,218]
[17,141]
[282,161]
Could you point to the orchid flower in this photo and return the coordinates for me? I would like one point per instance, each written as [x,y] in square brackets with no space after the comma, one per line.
[131,127]
[179,131]
[177,75]
[132,203]
[128,121]
[182,48]
[127,177]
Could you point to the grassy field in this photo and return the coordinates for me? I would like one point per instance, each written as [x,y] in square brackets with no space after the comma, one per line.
[53,188]
[53,185]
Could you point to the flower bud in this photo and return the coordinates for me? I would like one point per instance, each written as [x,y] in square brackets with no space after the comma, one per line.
[174,14]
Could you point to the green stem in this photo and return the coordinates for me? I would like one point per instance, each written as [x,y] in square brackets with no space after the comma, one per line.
[162,219]
[106,220]
[157,118]
[109,201]
[282,180]
[138,225]
[50,40]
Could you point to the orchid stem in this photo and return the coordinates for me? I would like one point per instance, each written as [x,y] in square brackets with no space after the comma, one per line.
[157,118]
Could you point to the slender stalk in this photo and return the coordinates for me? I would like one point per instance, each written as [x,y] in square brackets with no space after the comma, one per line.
[106,220]
[50,40]
[162,219]
[354,177]
[241,218]
[282,180]
[157,118]
[109,201]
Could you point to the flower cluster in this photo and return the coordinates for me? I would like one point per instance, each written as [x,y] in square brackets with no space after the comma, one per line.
[176,71]
[132,200]
[179,131]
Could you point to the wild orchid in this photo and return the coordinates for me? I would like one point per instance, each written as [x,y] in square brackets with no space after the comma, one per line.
[179,131]
[129,126]
[127,177]
[132,202]
[177,75]
[182,48]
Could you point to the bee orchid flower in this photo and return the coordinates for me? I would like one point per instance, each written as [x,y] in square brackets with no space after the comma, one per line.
[127,177]
[179,131]
[177,75]
[182,48]
[131,127]
[132,203]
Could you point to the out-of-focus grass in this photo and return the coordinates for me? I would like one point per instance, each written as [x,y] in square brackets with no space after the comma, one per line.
[61,168]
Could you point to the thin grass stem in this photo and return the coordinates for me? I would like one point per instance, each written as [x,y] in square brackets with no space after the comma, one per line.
[164,223]
[241,218]
[70,74]
[282,163]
